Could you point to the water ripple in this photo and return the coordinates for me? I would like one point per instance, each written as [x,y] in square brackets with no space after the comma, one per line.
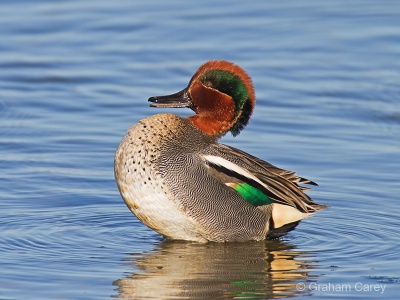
[354,234]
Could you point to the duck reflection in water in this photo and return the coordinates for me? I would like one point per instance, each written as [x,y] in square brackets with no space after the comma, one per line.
[256,270]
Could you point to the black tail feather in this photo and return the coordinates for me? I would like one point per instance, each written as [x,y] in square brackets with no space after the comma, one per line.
[275,233]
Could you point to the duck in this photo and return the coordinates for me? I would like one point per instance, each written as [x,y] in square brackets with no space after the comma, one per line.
[178,180]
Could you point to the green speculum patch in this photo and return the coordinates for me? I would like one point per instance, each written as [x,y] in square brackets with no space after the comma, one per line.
[252,194]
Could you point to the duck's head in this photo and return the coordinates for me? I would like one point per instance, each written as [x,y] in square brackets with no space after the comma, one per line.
[220,93]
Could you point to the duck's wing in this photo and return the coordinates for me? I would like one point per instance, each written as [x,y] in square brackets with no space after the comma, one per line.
[259,182]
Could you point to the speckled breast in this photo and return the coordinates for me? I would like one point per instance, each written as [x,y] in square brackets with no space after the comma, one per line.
[138,173]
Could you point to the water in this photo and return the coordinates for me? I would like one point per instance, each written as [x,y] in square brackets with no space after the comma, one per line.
[74,76]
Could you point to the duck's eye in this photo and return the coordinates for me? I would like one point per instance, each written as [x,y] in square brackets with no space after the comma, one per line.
[208,84]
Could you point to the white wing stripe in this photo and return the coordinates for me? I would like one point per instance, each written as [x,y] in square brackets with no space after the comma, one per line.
[231,166]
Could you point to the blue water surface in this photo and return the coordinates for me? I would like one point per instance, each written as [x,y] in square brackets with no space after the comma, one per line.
[75,75]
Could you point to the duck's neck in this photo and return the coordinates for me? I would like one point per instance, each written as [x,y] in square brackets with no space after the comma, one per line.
[209,125]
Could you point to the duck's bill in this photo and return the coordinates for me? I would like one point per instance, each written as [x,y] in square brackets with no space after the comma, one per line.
[180,99]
